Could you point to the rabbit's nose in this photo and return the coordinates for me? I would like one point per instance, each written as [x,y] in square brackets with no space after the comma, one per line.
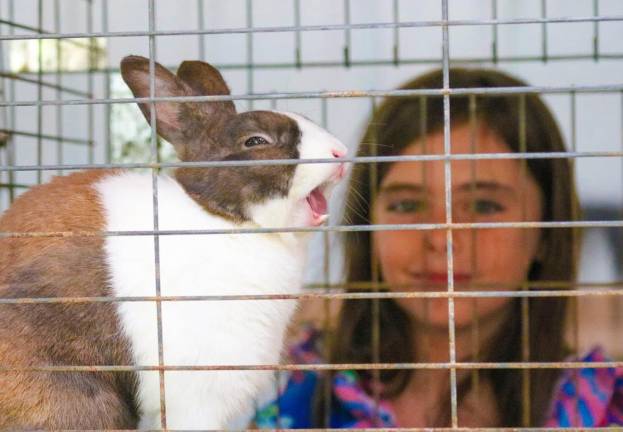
[338,153]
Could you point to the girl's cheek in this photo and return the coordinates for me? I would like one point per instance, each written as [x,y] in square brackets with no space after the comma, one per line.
[397,252]
[504,255]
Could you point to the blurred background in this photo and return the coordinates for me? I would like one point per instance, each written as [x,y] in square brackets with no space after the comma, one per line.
[566,49]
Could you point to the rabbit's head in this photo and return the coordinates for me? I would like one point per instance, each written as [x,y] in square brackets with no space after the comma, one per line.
[268,195]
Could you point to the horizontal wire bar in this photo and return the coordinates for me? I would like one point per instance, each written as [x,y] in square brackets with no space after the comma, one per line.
[316,367]
[318,295]
[477,91]
[39,32]
[535,284]
[15,185]
[356,159]
[45,84]
[321,27]
[334,228]
[375,62]
[46,136]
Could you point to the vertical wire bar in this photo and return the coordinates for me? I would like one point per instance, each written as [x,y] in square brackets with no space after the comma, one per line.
[107,78]
[596,30]
[59,83]
[297,34]
[376,304]
[2,164]
[347,38]
[4,121]
[277,373]
[11,151]
[525,357]
[621,210]
[39,92]
[525,301]
[425,355]
[154,176]
[619,302]
[574,301]
[574,140]
[494,29]
[544,31]
[396,48]
[326,324]
[250,52]
[90,84]
[5,118]
[376,278]
[448,196]
[473,126]
[201,25]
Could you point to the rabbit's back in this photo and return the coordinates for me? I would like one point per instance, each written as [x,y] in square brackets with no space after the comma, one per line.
[60,334]
[66,204]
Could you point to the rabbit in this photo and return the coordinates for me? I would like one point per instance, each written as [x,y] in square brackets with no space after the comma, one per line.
[203,332]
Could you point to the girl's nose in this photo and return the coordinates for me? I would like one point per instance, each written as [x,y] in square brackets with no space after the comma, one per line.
[436,241]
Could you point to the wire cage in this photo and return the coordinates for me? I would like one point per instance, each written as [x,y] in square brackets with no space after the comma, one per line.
[65,108]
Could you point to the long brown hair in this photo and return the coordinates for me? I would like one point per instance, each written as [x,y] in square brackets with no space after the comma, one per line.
[399,122]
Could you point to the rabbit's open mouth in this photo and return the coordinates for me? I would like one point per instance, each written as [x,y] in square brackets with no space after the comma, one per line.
[318,204]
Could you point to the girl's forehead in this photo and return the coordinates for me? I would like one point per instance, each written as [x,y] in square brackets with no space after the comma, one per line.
[464,140]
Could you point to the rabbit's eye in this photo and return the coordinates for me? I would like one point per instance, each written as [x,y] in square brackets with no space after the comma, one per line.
[255,141]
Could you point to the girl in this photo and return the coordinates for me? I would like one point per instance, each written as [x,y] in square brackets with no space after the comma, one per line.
[495,329]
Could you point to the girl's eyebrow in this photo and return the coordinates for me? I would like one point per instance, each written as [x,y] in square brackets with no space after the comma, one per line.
[479,185]
[402,187]
[492,186]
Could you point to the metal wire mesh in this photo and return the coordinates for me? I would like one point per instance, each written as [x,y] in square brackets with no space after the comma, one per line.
[88,90]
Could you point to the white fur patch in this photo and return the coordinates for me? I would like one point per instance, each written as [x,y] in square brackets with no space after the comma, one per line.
[197,332]
[293,210]
[316,143]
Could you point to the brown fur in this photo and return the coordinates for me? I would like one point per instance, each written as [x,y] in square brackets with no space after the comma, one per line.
[213,131]
[60,334]
[228,191]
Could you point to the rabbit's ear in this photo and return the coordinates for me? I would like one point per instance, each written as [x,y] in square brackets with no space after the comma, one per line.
[135,72]
[204,79]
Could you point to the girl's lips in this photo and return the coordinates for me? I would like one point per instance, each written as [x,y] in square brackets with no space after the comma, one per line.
[442,278]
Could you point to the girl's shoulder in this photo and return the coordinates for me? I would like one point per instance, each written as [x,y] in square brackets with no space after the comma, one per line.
[589,396]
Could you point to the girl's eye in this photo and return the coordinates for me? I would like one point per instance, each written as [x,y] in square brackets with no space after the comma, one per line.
[406,206]
[255,141]
[486,207]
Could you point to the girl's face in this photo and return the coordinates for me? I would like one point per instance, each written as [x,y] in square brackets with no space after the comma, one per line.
[484,190]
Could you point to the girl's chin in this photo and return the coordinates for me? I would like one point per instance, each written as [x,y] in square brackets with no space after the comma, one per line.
[433,313]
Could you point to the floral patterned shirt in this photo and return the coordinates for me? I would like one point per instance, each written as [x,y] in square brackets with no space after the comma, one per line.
[588,397]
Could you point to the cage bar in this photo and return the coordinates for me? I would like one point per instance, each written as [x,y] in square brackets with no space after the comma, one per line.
[154,175]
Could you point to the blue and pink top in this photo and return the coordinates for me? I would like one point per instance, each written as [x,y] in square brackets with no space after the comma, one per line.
[587,397]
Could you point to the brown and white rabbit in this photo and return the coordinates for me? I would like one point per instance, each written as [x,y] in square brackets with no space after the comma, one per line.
[228,332]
